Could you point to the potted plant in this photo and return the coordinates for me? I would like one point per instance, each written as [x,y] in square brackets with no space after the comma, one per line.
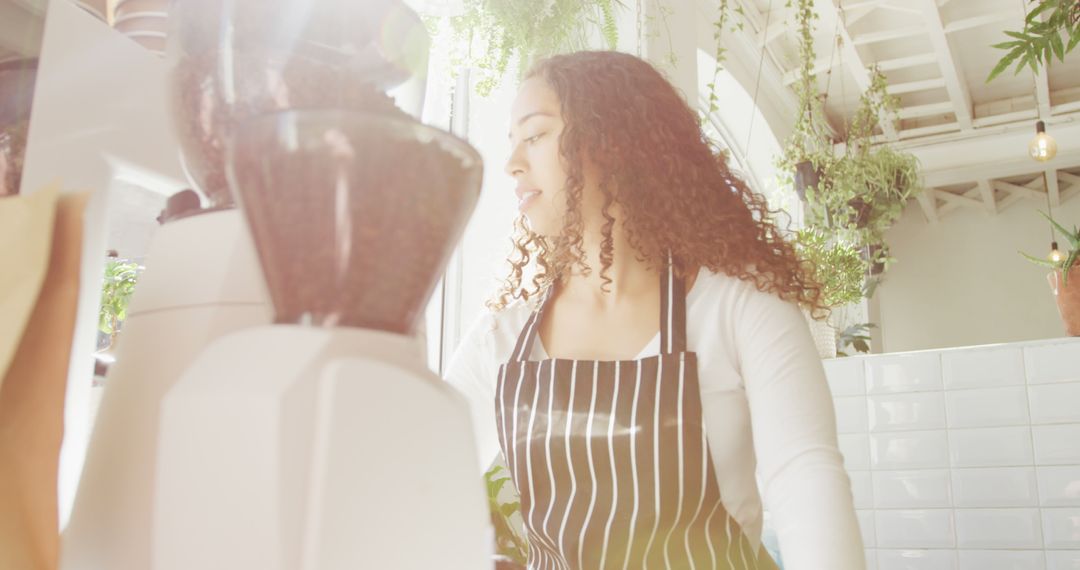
[838,268]
[1064,277]
[510,546]
[807,158]
[119,283]
[869,185]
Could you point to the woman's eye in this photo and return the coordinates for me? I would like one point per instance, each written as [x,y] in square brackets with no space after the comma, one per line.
[533,138]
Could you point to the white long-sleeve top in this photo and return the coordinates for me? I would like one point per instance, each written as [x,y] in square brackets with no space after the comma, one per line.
[766,406]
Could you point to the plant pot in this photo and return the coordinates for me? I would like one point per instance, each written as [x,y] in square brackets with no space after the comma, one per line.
[869,253]
[860,214]
[1068,298]
[824,335]
[806,176]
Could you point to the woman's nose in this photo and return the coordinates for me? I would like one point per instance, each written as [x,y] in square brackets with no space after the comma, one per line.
[516,163]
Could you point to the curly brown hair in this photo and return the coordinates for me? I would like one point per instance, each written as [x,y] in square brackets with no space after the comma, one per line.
[673,185]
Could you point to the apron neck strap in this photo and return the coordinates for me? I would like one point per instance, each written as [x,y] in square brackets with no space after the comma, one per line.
[672,317]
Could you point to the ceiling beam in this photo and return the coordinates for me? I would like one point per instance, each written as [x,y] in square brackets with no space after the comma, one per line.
[859,69]
[1023,191]
[961,200]
[908,61]
[978,21]
[1065,108]
[1010,200]
[927,110]
[928,202]
[987,193]
[1069,177]
[824,63]
[913,86]
[865,4]
[950,69]
[888,34]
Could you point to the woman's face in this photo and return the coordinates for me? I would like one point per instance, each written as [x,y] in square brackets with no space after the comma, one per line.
[535,164]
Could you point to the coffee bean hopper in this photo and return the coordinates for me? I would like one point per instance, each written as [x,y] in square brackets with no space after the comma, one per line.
[321,440]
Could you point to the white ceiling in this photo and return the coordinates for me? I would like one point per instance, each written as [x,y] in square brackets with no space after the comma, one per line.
[936,56]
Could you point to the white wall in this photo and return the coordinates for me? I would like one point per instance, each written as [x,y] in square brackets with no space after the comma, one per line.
[964,459]
[961,281]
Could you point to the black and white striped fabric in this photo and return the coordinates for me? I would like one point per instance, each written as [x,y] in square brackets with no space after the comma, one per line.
[610,457]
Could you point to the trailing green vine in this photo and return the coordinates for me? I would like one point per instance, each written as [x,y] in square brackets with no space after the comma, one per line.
[855,196]
[723,14]
[489,35]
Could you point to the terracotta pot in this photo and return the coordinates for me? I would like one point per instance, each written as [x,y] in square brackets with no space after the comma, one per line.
[1068,298]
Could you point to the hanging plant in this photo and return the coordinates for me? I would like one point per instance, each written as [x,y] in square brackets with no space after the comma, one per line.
[869,185]
[723,15]
[834,264]
[488,35]
[807,156]
[858,195]
[1041,39]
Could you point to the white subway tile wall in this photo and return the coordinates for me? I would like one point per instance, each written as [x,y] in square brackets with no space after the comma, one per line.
[990,447]
[1056,445]
[1063,560]
[925,488]
[903,373]
[1001,559]
[964,459]
[987,407]
[995,487]
[916,559]
[901,412]
[1061,527]
[998,528]
[982,368]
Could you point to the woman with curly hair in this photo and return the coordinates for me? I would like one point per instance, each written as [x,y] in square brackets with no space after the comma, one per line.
[632,447]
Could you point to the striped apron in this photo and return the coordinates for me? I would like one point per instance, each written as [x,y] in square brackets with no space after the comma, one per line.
[610,457]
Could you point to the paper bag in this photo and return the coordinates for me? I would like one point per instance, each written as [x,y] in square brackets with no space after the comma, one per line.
[32,392]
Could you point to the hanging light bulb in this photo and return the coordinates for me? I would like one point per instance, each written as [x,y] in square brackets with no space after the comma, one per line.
[1043,147]
[1055,254]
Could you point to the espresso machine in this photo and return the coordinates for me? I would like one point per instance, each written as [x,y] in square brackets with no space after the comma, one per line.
[297,426]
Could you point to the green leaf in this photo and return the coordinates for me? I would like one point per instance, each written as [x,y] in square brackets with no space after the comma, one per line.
[1019,36]
[1073,238]
[1059,48]
[1042,7]
[1039,260]
[1004,64]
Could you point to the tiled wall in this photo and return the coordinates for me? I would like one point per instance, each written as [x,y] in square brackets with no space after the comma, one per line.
[964,459]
